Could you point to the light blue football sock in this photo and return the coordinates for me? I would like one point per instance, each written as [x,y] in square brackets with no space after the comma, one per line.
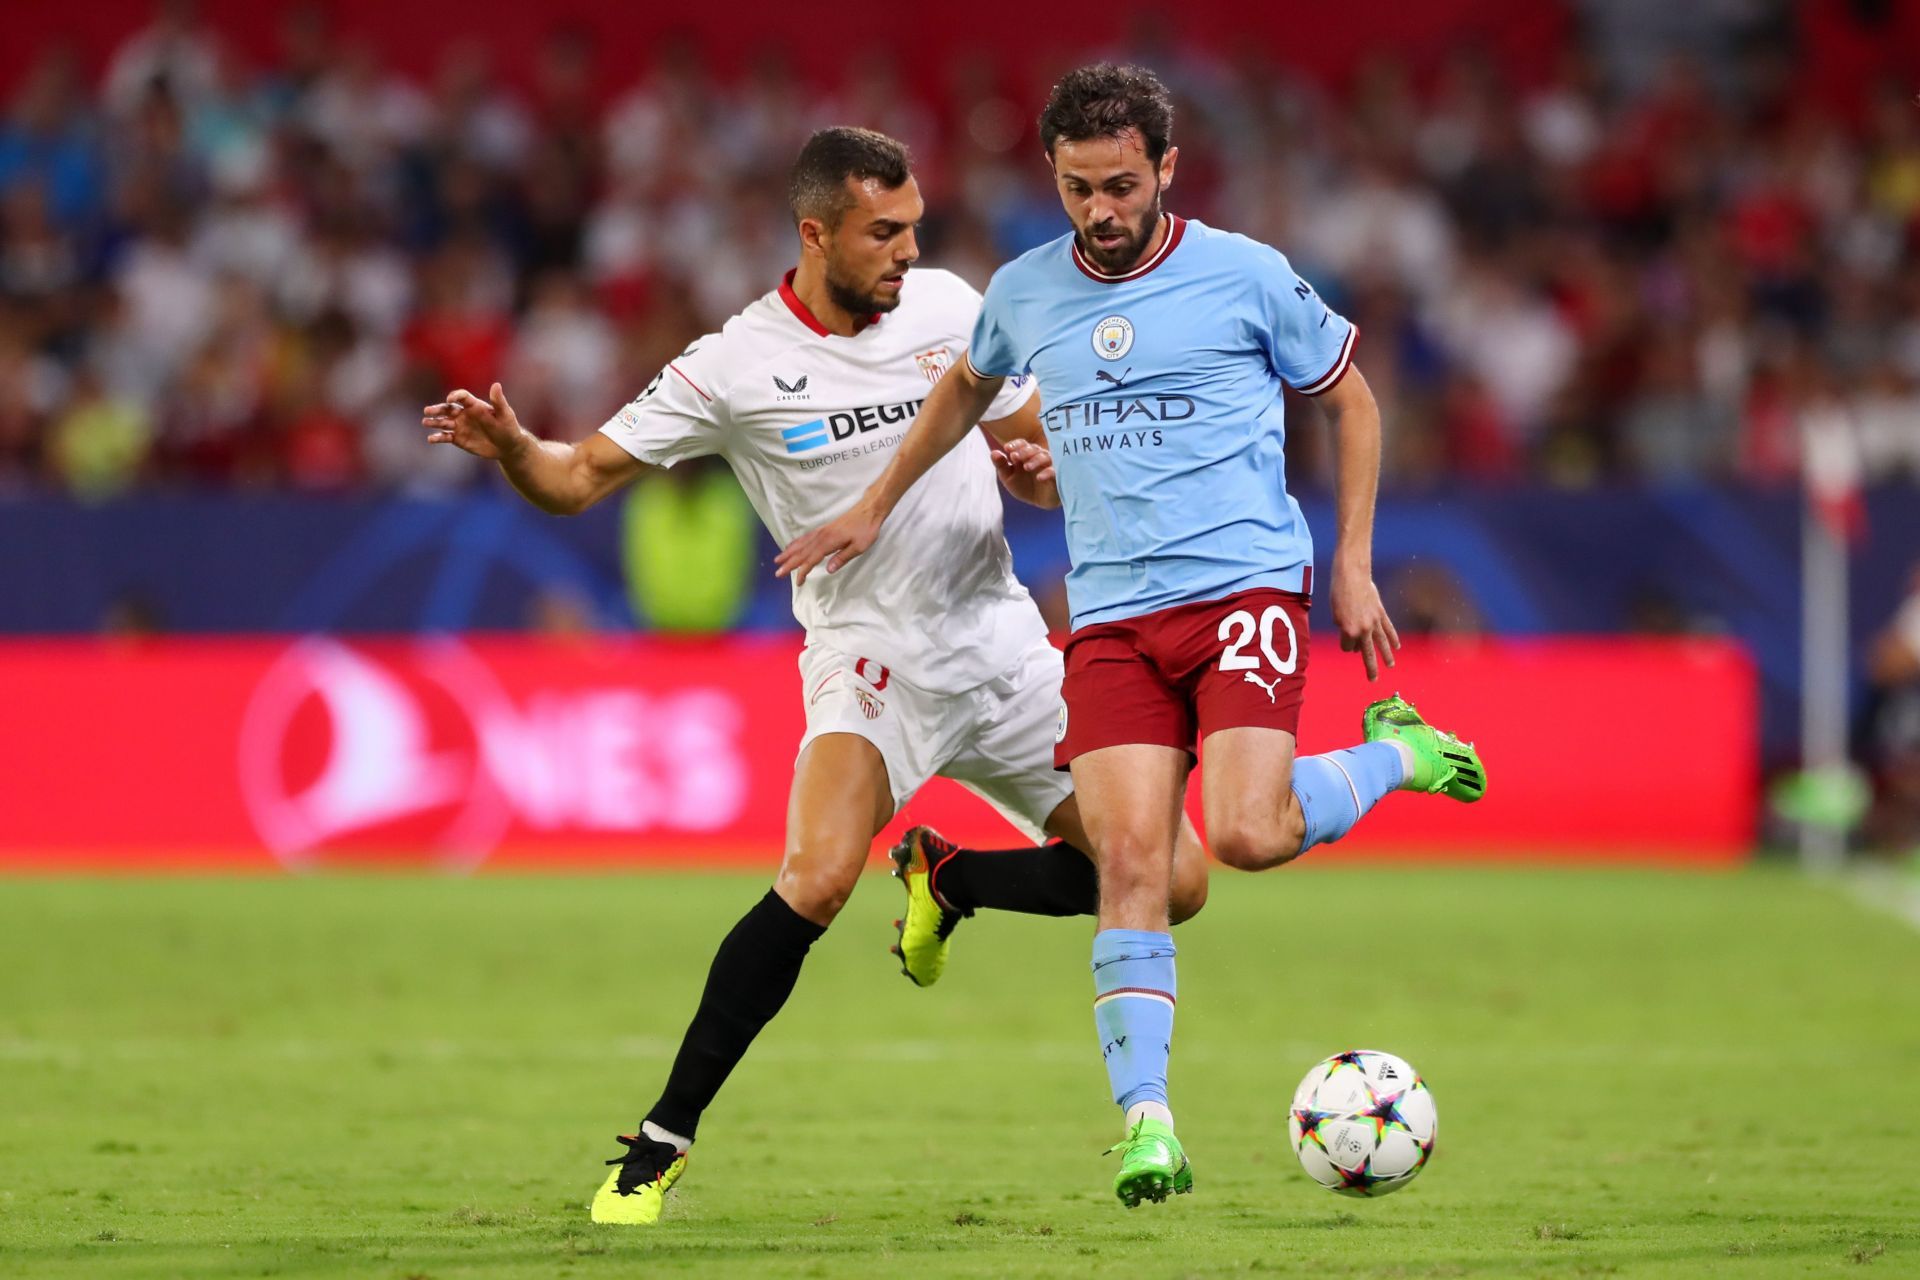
[1133,1002]
[1337,789]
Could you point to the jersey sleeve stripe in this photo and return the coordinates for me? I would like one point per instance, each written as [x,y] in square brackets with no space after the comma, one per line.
[690,382]
[976,368]
[1326,380]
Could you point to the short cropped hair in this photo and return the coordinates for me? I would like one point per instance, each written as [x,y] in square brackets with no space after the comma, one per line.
[1104,101]
[817,186]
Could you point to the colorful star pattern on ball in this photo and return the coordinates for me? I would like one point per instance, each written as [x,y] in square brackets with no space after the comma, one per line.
[1359,1180]
[1385,1114]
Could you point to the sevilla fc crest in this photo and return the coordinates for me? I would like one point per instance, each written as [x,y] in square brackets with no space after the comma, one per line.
[935,363]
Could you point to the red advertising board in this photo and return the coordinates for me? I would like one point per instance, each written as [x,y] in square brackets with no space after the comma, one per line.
[319,751]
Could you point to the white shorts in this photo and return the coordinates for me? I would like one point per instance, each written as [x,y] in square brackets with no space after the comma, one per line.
[996,739]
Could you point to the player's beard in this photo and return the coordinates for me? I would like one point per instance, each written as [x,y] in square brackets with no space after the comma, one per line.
[1124,256]
[856,299]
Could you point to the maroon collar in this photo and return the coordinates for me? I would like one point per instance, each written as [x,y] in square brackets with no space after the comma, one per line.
[1176,227]
[805,316]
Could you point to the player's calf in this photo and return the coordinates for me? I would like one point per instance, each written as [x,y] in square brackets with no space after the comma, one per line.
[1265,806]
[1189,894]
[1333,791]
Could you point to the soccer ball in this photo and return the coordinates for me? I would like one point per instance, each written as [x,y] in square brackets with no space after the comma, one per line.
[1363,1123]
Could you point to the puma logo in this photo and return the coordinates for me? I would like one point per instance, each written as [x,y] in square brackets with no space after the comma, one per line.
[1270,688]
[1104,376]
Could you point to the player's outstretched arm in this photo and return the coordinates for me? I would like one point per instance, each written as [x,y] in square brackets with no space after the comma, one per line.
[1357,609]
[952,409]
[559,478]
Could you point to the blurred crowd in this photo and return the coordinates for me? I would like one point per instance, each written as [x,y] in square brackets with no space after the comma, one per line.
[215,273]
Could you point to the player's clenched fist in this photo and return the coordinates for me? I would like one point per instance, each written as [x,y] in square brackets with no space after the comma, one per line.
[485,428]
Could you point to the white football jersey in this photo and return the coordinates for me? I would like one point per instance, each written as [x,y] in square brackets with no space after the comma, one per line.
[808,419]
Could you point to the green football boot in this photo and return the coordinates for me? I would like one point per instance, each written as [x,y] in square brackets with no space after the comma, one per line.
[1152,1164]
[926,931]
[634,1193]
[1442,764]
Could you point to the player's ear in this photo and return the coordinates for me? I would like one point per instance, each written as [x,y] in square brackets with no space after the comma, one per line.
[1166,166]
[813,236]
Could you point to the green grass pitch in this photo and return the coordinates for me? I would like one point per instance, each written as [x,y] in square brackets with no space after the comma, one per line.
[1637,1074]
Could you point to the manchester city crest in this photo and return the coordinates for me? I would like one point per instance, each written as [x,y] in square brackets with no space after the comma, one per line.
[1113,337]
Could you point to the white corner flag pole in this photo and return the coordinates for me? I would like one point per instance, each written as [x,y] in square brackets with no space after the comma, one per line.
[1823,676]
[1832,477]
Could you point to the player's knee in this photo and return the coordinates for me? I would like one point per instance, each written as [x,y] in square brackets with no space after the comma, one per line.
[1235,846]
[813,893]
[1250,845]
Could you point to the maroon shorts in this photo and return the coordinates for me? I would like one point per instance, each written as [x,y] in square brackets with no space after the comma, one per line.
[1172,677]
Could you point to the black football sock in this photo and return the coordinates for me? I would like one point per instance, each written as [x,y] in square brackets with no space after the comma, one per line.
[752,975]
[1053,879]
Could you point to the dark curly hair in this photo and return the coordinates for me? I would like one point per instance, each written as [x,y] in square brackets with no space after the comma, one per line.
[1104,101]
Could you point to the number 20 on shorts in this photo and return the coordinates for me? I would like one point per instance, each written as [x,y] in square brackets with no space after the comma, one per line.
[1237,630]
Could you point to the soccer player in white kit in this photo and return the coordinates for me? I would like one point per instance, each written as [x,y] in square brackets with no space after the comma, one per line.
[925,657]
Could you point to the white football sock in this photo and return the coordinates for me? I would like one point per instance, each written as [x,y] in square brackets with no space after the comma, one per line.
[651,1130]
[1406,760]
[1150,1111]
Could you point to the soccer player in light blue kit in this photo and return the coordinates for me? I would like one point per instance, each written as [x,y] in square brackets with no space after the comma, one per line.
[1162,348]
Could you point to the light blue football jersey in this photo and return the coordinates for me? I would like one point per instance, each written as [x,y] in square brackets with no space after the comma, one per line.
[1162,397]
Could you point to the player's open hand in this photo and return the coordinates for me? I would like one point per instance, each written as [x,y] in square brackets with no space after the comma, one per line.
[1364,625]
[485,428]
[1026,469]
[836,543]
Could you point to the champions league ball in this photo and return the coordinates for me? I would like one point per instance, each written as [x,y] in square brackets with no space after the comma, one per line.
[1363,1123]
